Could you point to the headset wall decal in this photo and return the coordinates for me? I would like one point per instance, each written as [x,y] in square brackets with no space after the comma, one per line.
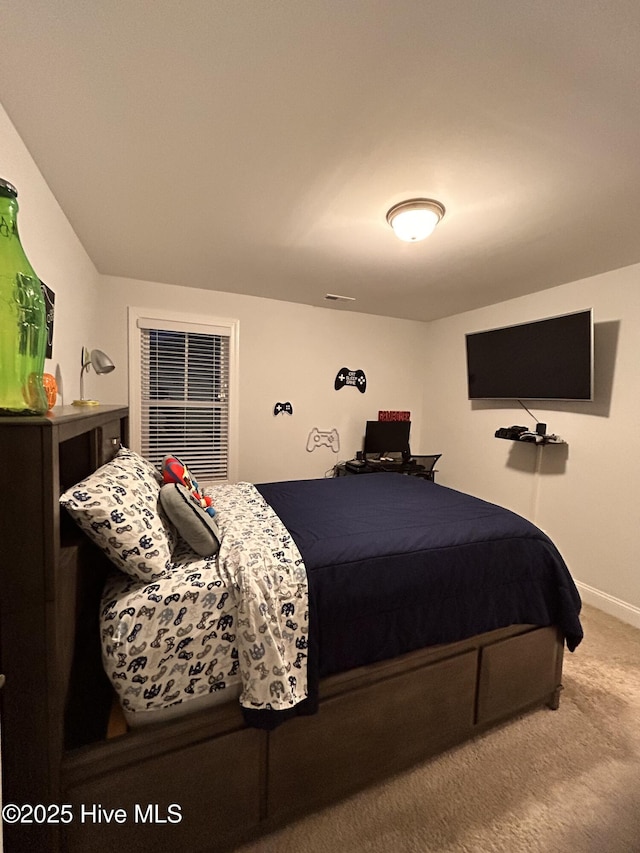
[355,378]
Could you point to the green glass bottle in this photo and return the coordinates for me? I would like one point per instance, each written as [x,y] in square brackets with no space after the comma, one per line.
[23,323]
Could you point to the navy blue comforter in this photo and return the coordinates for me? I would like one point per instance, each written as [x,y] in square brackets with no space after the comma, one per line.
[396,563]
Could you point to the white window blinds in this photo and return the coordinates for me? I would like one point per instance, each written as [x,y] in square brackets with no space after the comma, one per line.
[184,402]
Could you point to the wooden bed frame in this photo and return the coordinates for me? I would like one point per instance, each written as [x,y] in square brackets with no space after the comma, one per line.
[204,782]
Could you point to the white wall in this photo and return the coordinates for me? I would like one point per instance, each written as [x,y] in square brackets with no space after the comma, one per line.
[288,352]
[58,258]
[587,495]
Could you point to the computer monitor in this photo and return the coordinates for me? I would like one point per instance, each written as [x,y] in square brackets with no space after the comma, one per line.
[384,437]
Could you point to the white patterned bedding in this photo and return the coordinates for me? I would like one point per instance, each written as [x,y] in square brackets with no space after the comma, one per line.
[237,621]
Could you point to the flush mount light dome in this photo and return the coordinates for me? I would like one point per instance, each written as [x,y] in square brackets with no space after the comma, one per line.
[415,219]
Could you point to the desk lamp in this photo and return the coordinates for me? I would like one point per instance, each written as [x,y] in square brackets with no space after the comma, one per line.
[101,364]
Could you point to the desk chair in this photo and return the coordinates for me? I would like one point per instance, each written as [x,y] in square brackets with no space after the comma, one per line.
[426,466]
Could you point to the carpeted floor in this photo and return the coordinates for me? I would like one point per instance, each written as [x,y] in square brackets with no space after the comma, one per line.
[551,782]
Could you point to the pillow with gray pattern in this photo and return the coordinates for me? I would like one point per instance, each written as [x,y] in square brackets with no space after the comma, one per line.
[118,508]
[193,523]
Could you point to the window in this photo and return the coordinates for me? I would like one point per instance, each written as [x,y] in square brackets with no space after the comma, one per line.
[182,376]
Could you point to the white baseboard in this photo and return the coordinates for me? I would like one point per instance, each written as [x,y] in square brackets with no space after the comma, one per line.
[613,606]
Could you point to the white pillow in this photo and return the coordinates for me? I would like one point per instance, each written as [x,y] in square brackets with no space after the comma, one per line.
[117,507]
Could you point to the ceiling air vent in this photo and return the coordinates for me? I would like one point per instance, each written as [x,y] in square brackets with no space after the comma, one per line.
[333,297]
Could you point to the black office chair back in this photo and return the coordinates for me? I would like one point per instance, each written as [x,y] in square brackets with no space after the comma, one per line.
[428,462]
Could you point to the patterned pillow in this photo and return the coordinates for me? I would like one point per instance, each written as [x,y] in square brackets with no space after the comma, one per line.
[125,453]
[117,507]
[192,522]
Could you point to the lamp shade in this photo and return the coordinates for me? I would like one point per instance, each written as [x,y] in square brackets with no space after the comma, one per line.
[101,362]
[415,219]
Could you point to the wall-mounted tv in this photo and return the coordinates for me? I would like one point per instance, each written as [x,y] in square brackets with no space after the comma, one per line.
[550,359]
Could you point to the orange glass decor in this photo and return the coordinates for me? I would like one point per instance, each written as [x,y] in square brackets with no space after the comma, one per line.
[50,389]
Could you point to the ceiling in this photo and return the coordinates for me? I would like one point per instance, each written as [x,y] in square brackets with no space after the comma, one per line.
[255,146]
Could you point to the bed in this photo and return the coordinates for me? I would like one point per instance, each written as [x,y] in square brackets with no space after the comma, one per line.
[397,668]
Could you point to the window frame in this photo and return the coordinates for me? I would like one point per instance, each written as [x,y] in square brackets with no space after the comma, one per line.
[192,323]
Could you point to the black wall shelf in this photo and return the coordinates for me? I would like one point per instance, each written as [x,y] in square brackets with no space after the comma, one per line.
[538,440]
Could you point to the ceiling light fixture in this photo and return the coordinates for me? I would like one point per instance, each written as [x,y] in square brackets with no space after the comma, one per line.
[415,219]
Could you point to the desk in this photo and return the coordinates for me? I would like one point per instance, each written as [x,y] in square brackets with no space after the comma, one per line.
[424,469]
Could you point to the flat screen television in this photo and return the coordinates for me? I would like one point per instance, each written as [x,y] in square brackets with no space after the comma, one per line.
[383,437]
[550,359]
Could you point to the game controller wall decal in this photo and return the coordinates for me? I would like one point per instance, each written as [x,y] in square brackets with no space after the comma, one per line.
[281,408]
[351,377]
[323,438]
